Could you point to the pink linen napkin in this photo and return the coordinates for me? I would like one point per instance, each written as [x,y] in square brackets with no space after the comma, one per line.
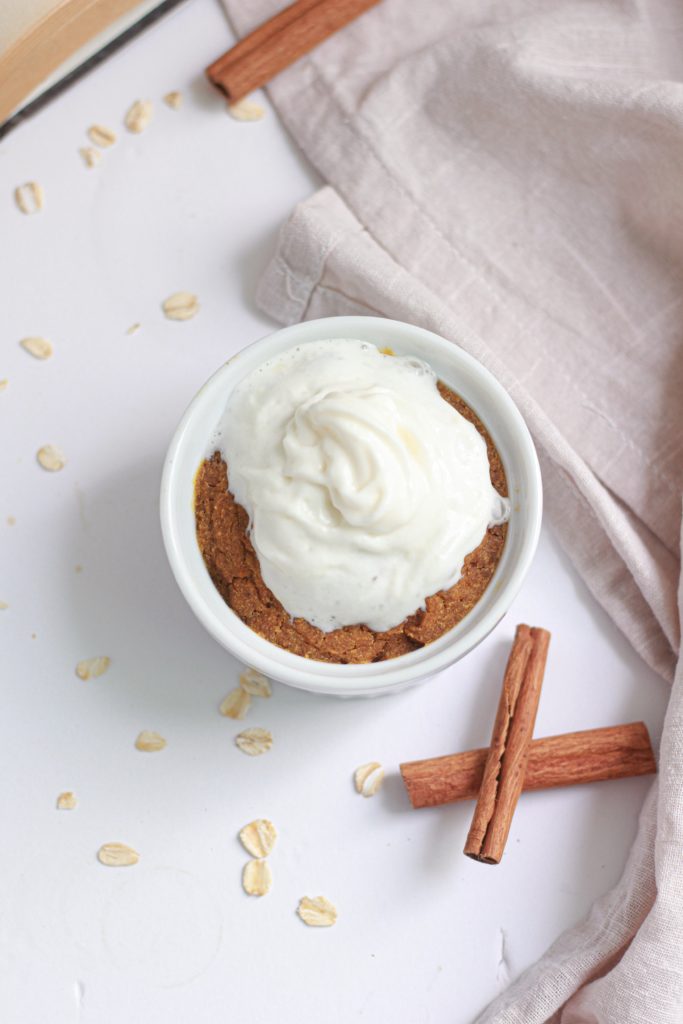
[510,175]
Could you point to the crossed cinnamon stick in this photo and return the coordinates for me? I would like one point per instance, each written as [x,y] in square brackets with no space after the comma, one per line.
[514,761]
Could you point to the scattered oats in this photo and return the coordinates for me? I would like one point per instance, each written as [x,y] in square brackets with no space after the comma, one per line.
[254,741]
[34,636]
[91,157]
[50,458]
[316,911]
[139,116]
[180,306]
[246,110]
[133,329]
[11,521]
[150,741]
[78,568]
[369,778]
[255,683]
[258,837]
[173,99]
[30,197]
[3,606]
[117,855]
[91,668]
[236,704]
[257,878]
[39,348]
[66,801]
[3,383]
[101,136]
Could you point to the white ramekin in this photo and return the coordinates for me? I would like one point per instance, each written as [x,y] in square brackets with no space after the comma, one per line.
[190,445]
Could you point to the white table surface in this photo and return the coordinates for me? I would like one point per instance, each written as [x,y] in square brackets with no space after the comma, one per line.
[424,935]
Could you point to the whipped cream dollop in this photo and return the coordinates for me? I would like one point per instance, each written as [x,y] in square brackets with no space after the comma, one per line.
[365,490]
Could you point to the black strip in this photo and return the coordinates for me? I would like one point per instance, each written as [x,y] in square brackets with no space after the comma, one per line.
[112,47]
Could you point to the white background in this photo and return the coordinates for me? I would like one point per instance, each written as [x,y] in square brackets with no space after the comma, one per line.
[424,935]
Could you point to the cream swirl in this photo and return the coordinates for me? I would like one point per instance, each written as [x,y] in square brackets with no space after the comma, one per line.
[365,490]
[351,443]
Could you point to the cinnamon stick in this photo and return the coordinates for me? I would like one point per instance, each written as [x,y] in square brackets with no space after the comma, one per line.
[279,42]
[506,761]
[615,752]
[279,23]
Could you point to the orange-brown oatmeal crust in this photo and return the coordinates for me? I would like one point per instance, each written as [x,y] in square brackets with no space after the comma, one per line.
[234,568]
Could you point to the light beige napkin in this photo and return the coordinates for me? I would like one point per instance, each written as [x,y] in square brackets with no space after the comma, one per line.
[510,175]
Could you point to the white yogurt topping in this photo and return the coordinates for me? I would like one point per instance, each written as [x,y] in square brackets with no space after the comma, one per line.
[365,490]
